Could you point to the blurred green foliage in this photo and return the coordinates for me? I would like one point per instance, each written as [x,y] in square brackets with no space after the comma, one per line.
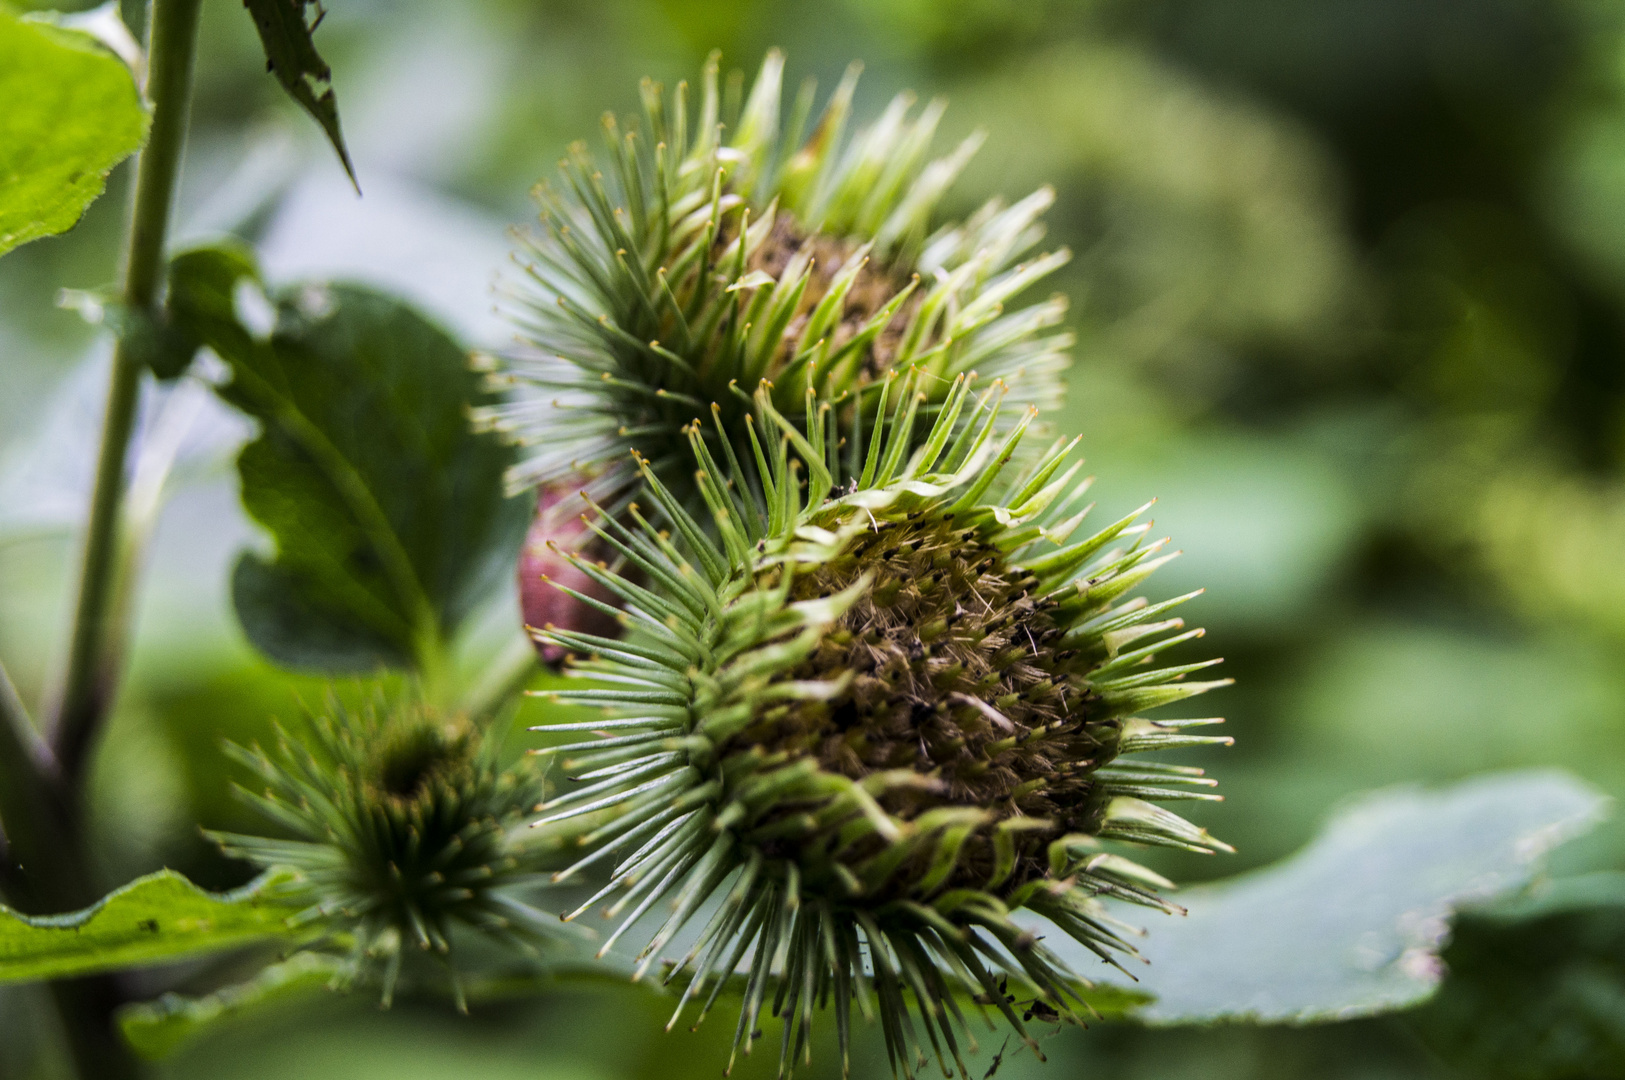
[1350,284]
[1544,998]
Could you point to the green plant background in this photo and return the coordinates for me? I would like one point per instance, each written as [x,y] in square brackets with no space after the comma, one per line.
[1350,288]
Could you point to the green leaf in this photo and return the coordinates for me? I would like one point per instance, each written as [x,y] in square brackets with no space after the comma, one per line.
[290,55]
[1558,896]
[386,508]
[156,1029]
[153,920]
[1352,925]
[71,113]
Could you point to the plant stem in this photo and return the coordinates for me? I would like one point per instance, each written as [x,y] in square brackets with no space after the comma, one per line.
[501,680]
[93,657]
[87,1007]
[46,869]
[49,829]
[38,848]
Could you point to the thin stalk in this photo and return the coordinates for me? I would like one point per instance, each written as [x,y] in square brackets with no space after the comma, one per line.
[501,680]
[92,669]
[87,1006]
[38,848]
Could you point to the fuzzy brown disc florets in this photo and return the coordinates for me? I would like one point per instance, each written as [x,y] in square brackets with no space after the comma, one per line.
[958,674]
[877,282]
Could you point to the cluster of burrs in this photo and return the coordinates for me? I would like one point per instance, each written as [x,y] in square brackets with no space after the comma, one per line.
[874,693]
[692,265]
[869,705]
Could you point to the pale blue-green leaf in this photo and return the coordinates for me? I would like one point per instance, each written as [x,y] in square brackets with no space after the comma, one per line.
[1352,925]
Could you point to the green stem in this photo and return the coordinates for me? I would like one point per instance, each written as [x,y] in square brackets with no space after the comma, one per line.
[52,825]
[87,1007]
[93,657]
[501,680]
[38,846]
[47,871]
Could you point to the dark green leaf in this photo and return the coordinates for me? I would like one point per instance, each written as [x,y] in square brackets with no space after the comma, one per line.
[1534,999]
[386,508]
[153,920]
[285,29]
[71,112]
[296,626]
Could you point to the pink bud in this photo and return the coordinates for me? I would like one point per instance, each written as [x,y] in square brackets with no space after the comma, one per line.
[542,568]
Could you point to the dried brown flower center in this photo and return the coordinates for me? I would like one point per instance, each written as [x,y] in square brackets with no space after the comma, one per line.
[958,673]
[876,283]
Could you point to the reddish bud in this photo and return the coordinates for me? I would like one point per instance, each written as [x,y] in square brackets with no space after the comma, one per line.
[556,532]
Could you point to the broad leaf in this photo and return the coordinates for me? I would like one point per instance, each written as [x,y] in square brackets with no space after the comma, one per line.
[387,510]
[285,31]
[1352,925]
[153,920]
[157,1028]
[71,112]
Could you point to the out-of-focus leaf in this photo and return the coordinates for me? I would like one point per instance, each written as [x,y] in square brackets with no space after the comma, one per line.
[1352,925]
[1388,696]
[105,23]
[290,54]
[158,1028]
[1267,530]
[71,112]
[1540,999]
[387,510]
[1536,984]
[1569,576]
[153,920]
[1559,896]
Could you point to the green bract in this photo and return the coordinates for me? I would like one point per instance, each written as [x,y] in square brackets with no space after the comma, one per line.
[708,255]
[402,826]
[882,708]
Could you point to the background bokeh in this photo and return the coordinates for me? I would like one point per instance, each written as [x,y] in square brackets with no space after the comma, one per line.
[1350,291]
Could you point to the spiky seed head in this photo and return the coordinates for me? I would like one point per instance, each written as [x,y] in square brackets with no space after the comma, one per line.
[702,253]
[888,699]
[400,824]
